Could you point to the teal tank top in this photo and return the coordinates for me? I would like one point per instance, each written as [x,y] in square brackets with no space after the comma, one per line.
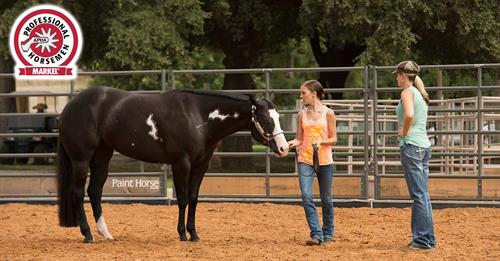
[417,135]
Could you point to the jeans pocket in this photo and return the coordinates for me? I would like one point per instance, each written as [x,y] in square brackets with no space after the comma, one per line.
[413,152]
[429,151]
[305,170]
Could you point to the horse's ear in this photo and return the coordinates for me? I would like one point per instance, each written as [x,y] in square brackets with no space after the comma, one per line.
[253,101]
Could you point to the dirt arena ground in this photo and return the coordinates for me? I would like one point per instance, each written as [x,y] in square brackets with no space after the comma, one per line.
[246,232]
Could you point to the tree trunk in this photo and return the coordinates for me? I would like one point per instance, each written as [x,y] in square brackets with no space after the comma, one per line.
[335,56]
[333,80]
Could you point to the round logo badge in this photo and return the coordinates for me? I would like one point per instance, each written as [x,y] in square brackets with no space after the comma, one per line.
[46,41]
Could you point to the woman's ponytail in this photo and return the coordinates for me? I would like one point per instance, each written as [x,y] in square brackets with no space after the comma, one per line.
[421,88]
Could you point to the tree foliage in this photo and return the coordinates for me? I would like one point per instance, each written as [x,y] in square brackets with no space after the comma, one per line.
[138,35]
[457,32]
[192,34]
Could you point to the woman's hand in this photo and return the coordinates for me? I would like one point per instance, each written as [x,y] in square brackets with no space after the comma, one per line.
[400,132]
[294,143]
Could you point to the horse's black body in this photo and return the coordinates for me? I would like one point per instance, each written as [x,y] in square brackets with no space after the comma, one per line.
[188,126]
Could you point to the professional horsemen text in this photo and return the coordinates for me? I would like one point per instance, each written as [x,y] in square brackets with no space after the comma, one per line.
[45,38]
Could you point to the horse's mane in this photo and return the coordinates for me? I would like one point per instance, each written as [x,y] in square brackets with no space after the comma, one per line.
[232,96]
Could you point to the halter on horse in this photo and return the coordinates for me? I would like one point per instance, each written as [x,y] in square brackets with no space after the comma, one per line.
[180,127]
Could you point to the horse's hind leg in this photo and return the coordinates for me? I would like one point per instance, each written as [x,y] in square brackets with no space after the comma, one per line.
[195,178]
[80,174]
[98,175]
[181,171]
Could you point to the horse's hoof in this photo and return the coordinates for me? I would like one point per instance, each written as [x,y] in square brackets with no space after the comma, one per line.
[88,240]
[183,238]
[194,239]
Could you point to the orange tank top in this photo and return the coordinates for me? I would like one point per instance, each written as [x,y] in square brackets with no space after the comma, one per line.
[314,131]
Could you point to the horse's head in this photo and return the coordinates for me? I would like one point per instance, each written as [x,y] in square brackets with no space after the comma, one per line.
[265,126]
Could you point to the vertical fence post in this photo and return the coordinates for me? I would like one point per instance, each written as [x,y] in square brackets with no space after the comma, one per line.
[366,138]
[375,136]
[438,123]
[167,168]
[71,89]
[171,79]
[267,74]
[479,130]
[164,176]
[163,80]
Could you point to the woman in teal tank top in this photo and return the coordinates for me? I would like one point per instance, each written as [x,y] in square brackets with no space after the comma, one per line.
[415,151]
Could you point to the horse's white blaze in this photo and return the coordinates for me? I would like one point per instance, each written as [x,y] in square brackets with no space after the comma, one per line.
[279,139]
[152,124]
[216,115]
[103,229]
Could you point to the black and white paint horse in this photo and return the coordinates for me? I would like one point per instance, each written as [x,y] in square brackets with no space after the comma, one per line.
[180,127]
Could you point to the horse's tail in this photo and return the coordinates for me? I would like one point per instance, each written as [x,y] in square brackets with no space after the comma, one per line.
[68,202]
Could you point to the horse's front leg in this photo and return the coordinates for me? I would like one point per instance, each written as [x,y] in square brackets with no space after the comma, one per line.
[197,174]
[181,172]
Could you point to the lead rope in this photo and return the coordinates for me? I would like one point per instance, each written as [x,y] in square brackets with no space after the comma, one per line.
[315,158]
[294,149]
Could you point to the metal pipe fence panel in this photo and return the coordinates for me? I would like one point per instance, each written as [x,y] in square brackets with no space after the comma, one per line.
[358,166]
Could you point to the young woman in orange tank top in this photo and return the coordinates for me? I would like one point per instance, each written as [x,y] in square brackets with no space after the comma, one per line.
[316,125]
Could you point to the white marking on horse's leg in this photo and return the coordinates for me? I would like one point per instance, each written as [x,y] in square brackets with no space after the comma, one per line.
[152,124]
[103,229]
[216,115]
[279,139]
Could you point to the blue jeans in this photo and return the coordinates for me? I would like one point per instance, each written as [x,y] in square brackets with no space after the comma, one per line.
[415,163]
[325,177]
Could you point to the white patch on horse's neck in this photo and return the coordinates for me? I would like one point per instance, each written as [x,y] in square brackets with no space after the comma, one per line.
[152,124]
[216,115]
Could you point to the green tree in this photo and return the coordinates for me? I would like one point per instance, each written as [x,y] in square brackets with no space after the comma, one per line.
[245,29]
[138,35]
[457,31]
[296,53]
